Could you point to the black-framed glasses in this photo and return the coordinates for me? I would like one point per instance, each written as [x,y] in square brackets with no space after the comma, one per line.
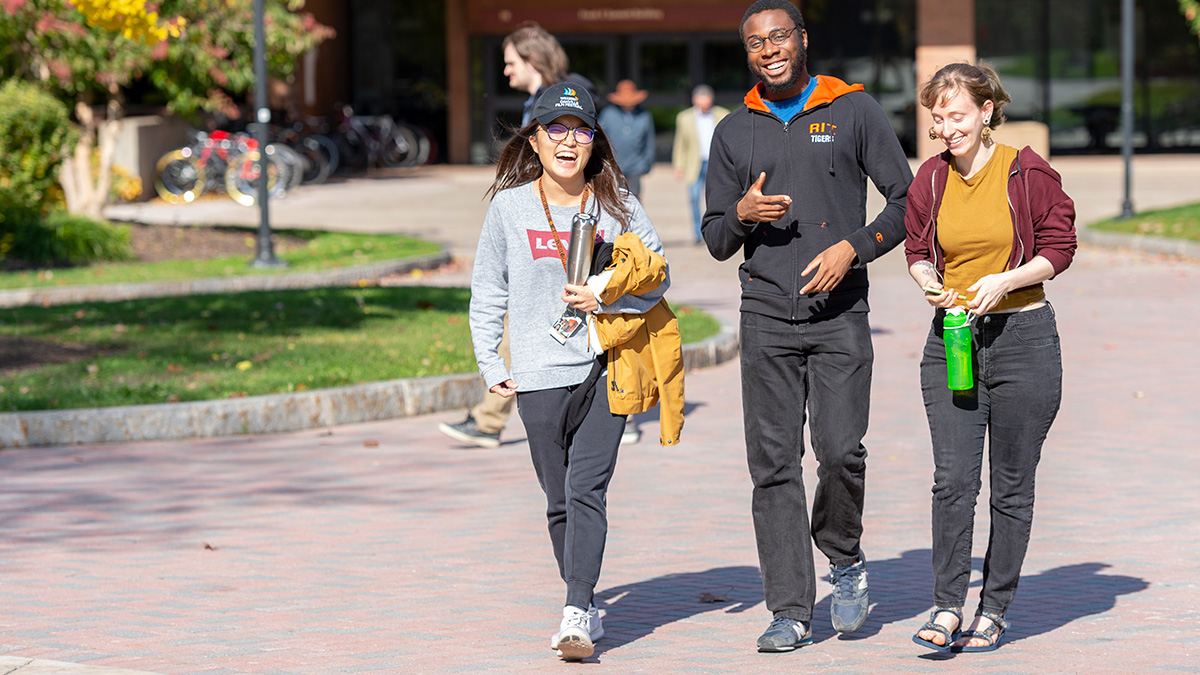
[777,37]
[558,133]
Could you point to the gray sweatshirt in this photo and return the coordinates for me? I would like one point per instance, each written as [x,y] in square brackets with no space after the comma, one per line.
[518,272]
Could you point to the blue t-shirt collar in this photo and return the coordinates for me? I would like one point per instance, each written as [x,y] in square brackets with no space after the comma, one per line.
[788,107]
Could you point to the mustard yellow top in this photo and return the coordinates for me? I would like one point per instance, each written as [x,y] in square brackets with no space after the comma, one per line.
[975,229]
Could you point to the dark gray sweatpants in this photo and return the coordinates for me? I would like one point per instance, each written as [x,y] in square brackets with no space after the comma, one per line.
[575,481]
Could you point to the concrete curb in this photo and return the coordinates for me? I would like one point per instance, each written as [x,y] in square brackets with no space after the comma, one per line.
[63,295]
[1139,242]
[276,413]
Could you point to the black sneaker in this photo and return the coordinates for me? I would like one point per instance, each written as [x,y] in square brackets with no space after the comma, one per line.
[848,604]
[467,432]
[785,635]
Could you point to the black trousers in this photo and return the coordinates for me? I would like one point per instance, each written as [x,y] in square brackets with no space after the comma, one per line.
[575,480]
[790,368]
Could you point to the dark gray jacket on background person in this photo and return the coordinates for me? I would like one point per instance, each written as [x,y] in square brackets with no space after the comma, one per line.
[632,138]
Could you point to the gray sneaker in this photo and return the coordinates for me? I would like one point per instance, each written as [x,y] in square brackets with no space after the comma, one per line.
[467,432]
[785,635]
[848,604]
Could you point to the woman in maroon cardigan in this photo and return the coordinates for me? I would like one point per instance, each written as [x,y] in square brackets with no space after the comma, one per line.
[986,225]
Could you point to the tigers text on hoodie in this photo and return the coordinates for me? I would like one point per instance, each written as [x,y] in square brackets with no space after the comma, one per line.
[821,158]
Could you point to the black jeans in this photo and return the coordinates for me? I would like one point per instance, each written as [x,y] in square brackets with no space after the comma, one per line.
[1018,389]
[789,367]
[575,481]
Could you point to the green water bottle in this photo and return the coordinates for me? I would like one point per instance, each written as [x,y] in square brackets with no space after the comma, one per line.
[956,334]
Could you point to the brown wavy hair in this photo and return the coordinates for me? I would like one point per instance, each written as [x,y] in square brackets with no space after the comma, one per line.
[539,49]
[519,164]
[980,82]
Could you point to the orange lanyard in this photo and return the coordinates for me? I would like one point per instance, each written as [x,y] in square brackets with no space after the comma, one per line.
[562,252]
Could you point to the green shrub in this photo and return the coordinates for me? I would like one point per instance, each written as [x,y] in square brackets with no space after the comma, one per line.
[35,132]
[68,239]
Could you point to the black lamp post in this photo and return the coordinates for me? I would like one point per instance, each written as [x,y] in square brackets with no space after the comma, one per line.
[264,250]
[1127,21]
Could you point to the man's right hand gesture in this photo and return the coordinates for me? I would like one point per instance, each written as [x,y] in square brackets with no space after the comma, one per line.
[755,207]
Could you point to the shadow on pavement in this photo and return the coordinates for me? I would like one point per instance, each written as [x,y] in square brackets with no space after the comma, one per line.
[1056,597]
[902,591]
[634,611]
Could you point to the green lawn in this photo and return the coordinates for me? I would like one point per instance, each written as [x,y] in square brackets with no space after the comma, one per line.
[244,344]
[324,250]
[1181,222]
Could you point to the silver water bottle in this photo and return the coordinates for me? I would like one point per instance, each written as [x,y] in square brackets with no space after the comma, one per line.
[579,257]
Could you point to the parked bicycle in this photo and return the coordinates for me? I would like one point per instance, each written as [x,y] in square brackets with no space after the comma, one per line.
[317,153]
[215,161]
[184,174]
[241,177]
[366,141]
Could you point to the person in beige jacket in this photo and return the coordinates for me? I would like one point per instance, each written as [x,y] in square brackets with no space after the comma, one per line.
[693,134]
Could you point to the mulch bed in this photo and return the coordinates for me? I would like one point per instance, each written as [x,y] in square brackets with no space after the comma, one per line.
[154,243]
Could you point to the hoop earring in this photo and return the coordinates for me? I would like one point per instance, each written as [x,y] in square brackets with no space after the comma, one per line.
[932,134]
[987,134]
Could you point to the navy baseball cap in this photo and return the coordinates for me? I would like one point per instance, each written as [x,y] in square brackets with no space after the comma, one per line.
[565,98]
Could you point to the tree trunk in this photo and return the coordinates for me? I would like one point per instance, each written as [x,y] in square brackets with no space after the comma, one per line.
[87,192]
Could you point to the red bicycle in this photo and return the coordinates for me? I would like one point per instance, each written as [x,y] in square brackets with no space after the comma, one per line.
[216,161]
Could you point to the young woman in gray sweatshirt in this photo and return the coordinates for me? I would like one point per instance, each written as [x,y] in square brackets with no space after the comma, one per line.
[555,167]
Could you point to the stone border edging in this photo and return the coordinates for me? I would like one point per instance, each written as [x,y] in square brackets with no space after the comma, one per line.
[62,295]
[276,413]
[1139,242]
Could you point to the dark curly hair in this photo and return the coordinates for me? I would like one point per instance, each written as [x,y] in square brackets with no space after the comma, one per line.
[765,5]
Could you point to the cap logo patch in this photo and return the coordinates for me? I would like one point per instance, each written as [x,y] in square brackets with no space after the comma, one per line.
[569,99]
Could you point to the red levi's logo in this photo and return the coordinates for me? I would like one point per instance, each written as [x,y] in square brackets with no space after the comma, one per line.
[541,244]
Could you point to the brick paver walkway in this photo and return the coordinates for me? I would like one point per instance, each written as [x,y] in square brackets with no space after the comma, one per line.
[323,552]
[385,548]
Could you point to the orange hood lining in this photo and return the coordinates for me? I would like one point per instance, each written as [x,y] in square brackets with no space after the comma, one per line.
[828,88]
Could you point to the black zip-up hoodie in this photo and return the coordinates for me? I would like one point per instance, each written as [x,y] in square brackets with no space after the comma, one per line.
[821,158]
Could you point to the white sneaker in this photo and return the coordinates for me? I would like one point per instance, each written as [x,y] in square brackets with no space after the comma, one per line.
[577,633]
[632,433]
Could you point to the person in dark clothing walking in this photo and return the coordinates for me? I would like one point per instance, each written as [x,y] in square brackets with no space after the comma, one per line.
[630,127]
[786,185]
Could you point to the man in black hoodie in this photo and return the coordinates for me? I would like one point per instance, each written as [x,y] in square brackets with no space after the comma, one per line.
[787,181]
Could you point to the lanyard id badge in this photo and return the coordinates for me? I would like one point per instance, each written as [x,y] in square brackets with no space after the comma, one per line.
[566,325]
